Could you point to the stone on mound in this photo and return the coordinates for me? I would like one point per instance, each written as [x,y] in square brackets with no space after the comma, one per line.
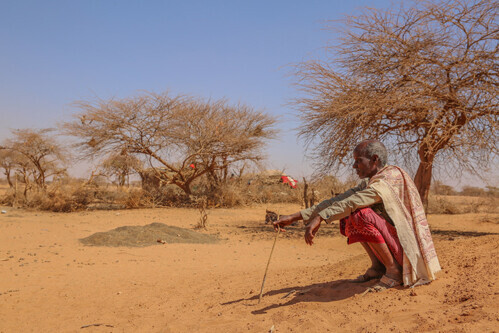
[147,235]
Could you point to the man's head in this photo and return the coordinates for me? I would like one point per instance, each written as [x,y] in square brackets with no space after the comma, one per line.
[370,156]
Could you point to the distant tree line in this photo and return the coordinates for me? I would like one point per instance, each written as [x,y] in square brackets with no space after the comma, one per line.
[440,188]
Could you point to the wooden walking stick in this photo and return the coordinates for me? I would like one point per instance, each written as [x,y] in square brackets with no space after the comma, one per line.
[268,262]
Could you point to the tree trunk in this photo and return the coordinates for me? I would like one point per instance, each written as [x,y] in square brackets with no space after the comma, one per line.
[186,187]
[305,194]
[121,179]
[423,177]
[15,192]
[7,174]
[312,197]
[26,183]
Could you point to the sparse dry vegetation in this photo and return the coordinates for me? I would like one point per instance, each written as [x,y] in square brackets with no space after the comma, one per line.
[68,195]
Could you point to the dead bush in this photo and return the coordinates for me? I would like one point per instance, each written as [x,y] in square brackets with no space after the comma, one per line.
[203,215]
[462,205]
[57,201]
[481,205]
[57,197]
[225,195]
[274,193]
[440,205]
[83,196]
[8,197]
[111,195]
[138,198]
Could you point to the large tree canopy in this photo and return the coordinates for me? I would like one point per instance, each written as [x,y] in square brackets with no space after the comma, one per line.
[423,78]
[180,137]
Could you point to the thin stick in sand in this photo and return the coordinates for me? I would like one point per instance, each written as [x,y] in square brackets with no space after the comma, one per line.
[268,262]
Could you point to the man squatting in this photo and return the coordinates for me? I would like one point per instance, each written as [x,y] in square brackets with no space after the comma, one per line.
[385,214]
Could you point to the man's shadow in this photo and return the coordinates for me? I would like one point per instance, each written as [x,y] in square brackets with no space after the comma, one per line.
[318,292]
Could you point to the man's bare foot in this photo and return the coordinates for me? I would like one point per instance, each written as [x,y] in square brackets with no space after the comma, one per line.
[371,274]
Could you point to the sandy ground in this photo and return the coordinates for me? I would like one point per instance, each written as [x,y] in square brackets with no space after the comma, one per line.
[50,282]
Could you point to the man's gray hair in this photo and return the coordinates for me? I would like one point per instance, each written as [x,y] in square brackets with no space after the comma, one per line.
[369,148]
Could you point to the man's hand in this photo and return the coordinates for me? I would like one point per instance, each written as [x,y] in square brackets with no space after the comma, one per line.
[285,220]
[312,228]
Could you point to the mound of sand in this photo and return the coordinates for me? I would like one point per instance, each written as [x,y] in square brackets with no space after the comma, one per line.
[151,234]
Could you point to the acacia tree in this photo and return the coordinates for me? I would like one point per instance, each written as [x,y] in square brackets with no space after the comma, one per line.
[121,166]
[181,138]
[8,162]
[35,154]
[422,78]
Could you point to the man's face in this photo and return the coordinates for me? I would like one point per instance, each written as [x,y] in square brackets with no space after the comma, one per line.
[364,166]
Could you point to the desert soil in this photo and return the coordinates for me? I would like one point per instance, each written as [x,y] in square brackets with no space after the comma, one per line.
[51,282]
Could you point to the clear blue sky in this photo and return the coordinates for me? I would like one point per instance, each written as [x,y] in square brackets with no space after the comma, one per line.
[53,53]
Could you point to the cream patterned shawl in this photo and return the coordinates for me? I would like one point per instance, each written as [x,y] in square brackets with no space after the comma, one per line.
[403,204]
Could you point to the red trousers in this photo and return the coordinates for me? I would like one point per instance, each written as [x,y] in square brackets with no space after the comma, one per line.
[365,226]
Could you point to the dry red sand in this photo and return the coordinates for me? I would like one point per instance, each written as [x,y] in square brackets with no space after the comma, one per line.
[50,282]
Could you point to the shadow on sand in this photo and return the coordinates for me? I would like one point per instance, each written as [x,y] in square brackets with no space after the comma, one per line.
[292,231]
[460,233]
[319,292]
